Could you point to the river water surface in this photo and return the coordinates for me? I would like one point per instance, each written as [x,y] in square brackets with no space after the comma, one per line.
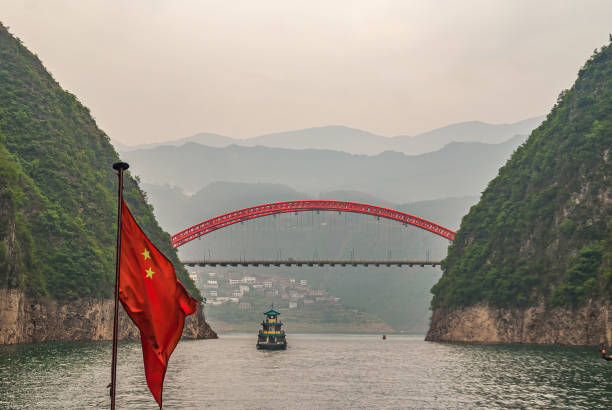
[317,371]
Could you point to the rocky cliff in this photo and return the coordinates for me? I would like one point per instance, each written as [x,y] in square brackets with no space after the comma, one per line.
[588,325]
[25,319]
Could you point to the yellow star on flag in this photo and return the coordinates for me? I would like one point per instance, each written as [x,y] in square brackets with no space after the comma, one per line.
[146,254]
[149,273]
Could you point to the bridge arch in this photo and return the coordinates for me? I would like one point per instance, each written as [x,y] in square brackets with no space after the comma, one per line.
[230,218]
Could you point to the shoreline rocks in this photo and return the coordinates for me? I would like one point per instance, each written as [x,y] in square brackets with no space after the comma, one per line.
[25,319]
[585,326]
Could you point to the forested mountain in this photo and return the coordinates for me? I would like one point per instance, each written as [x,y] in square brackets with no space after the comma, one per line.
[542,231]
[459,169]
[57,188]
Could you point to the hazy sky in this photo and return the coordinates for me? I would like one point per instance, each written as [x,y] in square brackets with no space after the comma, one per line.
[153,70]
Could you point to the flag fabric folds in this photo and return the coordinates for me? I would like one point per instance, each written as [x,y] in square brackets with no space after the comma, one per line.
[153,298]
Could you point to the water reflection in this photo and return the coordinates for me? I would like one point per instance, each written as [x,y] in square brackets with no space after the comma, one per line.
[317,371]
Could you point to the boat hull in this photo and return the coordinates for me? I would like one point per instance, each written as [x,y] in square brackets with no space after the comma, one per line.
[272,346]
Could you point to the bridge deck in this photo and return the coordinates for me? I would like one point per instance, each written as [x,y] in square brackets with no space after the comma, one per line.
[309,262]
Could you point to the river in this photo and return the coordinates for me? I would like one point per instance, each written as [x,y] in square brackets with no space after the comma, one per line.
[317,371]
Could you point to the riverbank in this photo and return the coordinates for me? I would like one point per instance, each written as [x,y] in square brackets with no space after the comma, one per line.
[24,319]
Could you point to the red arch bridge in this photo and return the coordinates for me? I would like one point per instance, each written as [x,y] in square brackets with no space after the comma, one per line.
[241,215]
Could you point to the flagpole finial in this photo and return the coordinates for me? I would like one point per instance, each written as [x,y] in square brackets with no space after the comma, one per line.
[121,166]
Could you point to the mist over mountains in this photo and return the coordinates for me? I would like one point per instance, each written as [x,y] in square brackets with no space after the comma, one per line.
[400,297]
[459,169]
[356,141]
[190,180]
[176,210]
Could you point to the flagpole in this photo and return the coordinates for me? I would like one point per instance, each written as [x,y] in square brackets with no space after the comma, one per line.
[120,167]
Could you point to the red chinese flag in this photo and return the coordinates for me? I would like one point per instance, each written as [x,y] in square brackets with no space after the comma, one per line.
[154,298]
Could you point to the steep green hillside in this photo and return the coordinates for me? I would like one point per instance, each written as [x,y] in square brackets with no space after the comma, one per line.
[542,230]
[57,188]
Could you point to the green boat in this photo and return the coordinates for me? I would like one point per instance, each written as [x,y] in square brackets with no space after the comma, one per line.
[271,336]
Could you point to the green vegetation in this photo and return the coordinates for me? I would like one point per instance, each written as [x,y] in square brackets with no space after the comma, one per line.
[542,230]
[581,277]
[57,188]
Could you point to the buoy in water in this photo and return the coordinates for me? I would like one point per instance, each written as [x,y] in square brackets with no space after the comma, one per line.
[384,337]
[604,353]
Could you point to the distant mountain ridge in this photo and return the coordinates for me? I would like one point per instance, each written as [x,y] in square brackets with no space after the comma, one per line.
[356,141]
[459,169]
[471,131]
[204,138]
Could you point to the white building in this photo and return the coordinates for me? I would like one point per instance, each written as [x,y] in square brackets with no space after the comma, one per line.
[236,293]
[249,279]
[211,284]
[267,285]
[303,282]
[212,293]
[212,274]
[193,277]
[234,300]
[236,281]
[292,305]
[244,289]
